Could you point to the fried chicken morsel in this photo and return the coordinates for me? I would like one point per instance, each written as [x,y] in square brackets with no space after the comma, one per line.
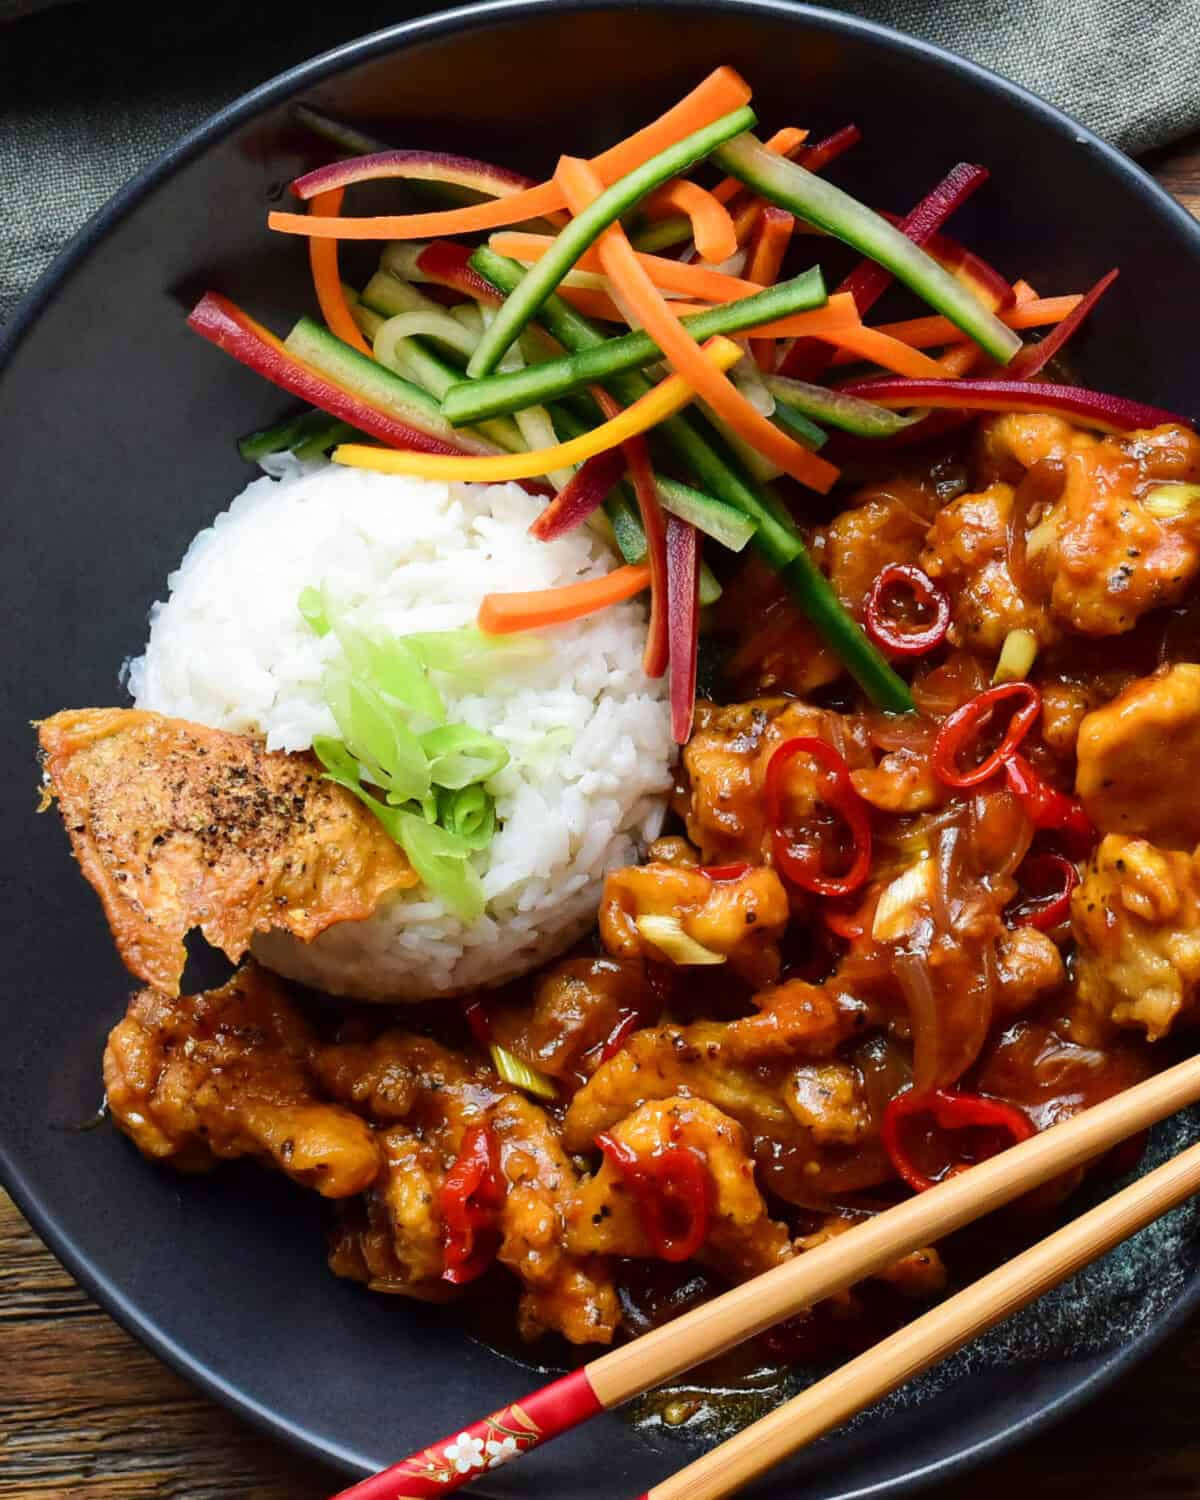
[177,826]
[225,1074]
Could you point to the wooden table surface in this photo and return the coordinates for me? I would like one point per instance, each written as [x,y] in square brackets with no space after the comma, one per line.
[85,1411]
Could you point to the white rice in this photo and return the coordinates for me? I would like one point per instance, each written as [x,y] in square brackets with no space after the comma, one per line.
[588,733]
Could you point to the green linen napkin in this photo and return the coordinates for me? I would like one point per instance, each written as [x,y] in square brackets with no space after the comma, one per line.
[89,93]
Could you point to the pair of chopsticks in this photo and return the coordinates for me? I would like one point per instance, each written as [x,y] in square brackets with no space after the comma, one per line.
[787,1289]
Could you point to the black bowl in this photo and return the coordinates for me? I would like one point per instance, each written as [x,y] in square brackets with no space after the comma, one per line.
[117,428]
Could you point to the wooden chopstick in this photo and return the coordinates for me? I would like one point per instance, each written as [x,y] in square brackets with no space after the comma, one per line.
[758,1304]
[934,1335]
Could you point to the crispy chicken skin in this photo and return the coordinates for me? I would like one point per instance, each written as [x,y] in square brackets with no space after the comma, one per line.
[225,1074]
[177,826]
[741,919]
[742,1237]
[1136,919]
[1139,759]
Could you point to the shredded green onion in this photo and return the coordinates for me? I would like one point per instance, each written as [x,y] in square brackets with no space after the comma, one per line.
[514,1070]
[469,813]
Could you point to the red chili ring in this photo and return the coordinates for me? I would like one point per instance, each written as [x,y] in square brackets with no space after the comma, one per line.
[675,1178]
[965,723]
[951,1110]
[844,800]
[888,635]
[1048,911]
[721,873]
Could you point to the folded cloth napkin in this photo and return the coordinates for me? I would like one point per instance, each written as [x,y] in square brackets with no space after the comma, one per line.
[89,93]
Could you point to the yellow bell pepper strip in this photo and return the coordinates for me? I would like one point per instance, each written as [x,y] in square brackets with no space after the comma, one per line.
[666,398]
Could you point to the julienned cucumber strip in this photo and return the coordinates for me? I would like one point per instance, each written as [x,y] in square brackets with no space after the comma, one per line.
[256,445]
[829,210]
[780,544]
[850,413]
[540,280]
[792,420]
[325,352]
[470,400]
[818,202]
[713,517]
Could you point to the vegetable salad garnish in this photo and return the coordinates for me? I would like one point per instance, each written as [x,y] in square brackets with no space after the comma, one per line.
[478,352]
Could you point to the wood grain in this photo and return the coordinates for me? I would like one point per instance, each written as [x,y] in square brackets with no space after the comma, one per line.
[86,1412]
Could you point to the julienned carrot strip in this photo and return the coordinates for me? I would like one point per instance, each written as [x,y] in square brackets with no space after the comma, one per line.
[581,186]
[890,354]
[935,331]
[637,456]
[327,283]
[772,238]
[712,228]
[961,359]
[662,401]
[592,304]
[505,614]
[701,282]
[723,91]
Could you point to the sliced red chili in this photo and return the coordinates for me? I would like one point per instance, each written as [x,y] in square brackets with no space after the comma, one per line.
[627,1022]
[477,1019]
[1045,806]
[1050,879]
[724,872]
[673,1192]
[845,924]
[803,865]
[916,1128]
[926,595]
[962,730]
[470,1200]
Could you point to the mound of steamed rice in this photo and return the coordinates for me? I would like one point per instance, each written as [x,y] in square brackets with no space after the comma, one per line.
[587,731]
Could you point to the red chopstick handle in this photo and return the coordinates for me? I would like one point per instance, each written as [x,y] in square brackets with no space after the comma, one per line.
[457,1460]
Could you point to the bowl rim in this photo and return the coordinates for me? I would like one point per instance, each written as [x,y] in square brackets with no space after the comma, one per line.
[276,90]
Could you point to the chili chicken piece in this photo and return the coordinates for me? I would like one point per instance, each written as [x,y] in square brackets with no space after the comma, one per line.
[1139,759]
[1078,536]
[177,826]
[1136,919]
[740,1239]
[209,1077]
[740,919]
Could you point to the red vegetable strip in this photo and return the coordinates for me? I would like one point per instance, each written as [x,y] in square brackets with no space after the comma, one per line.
[1094,409]
[1046,911]
[327,283]
[838,792]
[712,228]
[934,331]
[721,873]
[676,1179]
[771,241]
[637,458]
[587,490]
[683,622]
[720,93]
[620,262]
[815,158]
[868,281]
[1034,357]
[1045,806]
[416,166]
[504,614]
[469,1200]
[476,1016]
[447,263]
[627,1023]
[963,727]
[887,634]
[949,1110]
[224,324]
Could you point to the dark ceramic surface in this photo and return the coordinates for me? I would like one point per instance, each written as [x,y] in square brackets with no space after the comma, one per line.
[116,427]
